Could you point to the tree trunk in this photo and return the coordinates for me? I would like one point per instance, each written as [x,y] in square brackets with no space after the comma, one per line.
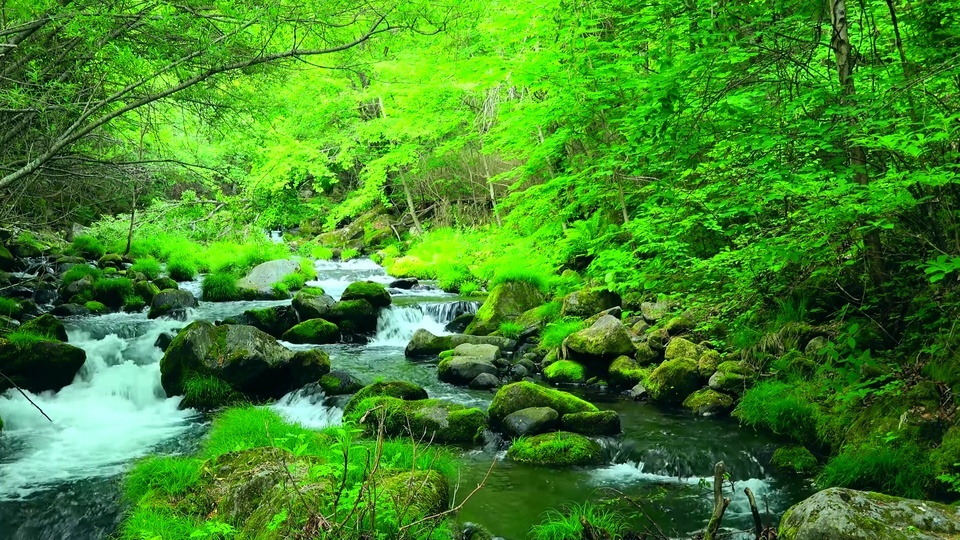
[857,154]
[413,209]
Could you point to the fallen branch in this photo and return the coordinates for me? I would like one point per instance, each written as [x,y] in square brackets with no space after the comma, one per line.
[24,394]
[720,504]
[757,522]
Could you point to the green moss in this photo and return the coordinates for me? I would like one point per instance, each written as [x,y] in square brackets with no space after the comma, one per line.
[397,389]
[521,275]
[625,372]
[794,458]
[785,409]
[133,303]
[25,338]
[673,380]
[322,253]
[430,419]
[510,329]
[708,402]
[80,271]
[521,395]
[565,371]
[182,269]
[220,287]
[147,266]
[560,449]
[307,269]
[204,393]
[110,271]
[370,291]
[554,333]
[315,331]
[112,291]
[9,307]
[96,307]
[603,423]
[446,354]
[88,247]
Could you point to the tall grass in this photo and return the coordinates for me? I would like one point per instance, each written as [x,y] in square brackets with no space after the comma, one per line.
[87,246]
[220,287]
[81,271]
[568,525]
[782,408]
[554,333]
[9,307]
[147,266]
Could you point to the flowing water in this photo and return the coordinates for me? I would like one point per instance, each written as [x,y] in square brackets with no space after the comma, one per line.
[61,479]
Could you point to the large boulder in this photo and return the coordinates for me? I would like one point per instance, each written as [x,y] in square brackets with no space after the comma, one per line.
[606,339]
[708,402]
[565,372]
[274,321]
[490,353]
[673,380]
[338,383]
[248,360]
[523,395]
[588,302]
[593,424]
[846,514]
[353,317]
[370,291]
[312,303]
[731,377]
[398,389]
[259,282]
[172,303]
[531,421]
[680,348]
[506,302]
[424,343]
[560,449]
[654,311]
[39,365]
[46,326]
[462,370]
[315,331]
[427,419]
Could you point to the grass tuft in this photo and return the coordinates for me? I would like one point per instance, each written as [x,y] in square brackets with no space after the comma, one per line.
[521,275]
[220,287]
[782,408]
[81,271]
[555,332]
[25,339]
[348,253]
[147,266]
[182,269]
[9,307]
[510,329]
[567,525]
[88,247]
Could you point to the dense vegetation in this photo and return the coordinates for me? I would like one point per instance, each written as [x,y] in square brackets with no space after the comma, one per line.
[774,170]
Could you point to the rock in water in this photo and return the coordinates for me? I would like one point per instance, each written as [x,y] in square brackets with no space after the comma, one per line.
[247,359]
[370,291]
[461,370]
[427,419]
[172,303]
[531,421]
[521,395]
[506,302]
[312,303]
[39,366]
[274,321]
[47,326]
[315,331]
[846,514]
[262,278]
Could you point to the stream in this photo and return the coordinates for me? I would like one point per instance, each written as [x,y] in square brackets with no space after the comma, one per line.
[61,480]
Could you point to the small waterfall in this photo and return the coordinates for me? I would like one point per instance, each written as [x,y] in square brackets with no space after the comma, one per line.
[397,324]
[306,407]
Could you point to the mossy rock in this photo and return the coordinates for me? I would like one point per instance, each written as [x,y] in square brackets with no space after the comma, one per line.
[506,302]
[171,303]
[429,419]
[110,260]
[353,317]
[97,308]
[312,303]
[625,372]
[521,395]
[673,380]
[732,377]
[679,325]
[338,383]
[112,291]
[421,493]
[560,449]
[425,344]
[588,302]
[681,348]
[794,458]
[146,290]
[708,362]
[274,321]
[315,331]
[445,354]
[644,354]
[370,291]
[708,402]
[593,424]
[165,283]
[39,366]
[461,370]
[47,326]
[605,340]
[398,389]
[531,421]
[565,372]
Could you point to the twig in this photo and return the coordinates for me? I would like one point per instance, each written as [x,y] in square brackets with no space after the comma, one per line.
[24,394]
[459,506]
[757,522]
[720,504]
[643,511]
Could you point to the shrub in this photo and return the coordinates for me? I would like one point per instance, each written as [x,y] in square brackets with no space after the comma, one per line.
[469,289]
[897,468]
[522,275]
[88,247]
[510,329]
[555,332]
[147,266]
[348,253]
[81,271]
[451,277]
[182,269]
[566,525]
[9,307]
[322,253]
[781,408]
[220,287]
[294,281]
[112,291]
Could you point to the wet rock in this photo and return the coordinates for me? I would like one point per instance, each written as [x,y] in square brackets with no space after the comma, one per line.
[398,389]
[593,424]
[353,317]
[39,366]
[430,419]
[487,352]
[673,380]
[846,514]
[565,372]
[560,449]
[505,344]
[312,303]
[70,310]
[708,402]
[625,372]
[522,395]
[423,343]
[339,382]
[506,302]
[172,303]
[605,340]
[374,293]
[165,283]
[47,326]
[404,283]
[315,331]
[274,321]
[485,381]
[531,421]
[164,340]
[45,295]
[638,393]
[461,370]
[459,323]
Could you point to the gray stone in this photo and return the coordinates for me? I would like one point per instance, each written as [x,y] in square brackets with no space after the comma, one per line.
[505,344]
[462,370]
[846,514]
[531,421]
[424,343]
[606,339]
[261,279]
[312,303]
[172,303]
[485,381]
[588,302]
[489,353]
[654,311]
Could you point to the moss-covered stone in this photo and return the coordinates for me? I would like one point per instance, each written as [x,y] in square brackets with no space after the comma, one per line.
[731,377]
[39,366]
[673,380]
[606,339]
[708,402]
[146,290]
[588,302]
[531,421]
[708,362]
[165,283]
[445,354]
[353,317]
[425,344]
[315,331]
[110,260]
[430,419]
[644,354]
[398,389]
[420,493]
[172,303]
[338,383]
[374,293]
[794,458]
[97,308]
[461,370]
[47,326]
[565,372]
[506,302]
[560,449]
[679,325]
[521,395]
[594,424]
[625,372]
[680,348]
